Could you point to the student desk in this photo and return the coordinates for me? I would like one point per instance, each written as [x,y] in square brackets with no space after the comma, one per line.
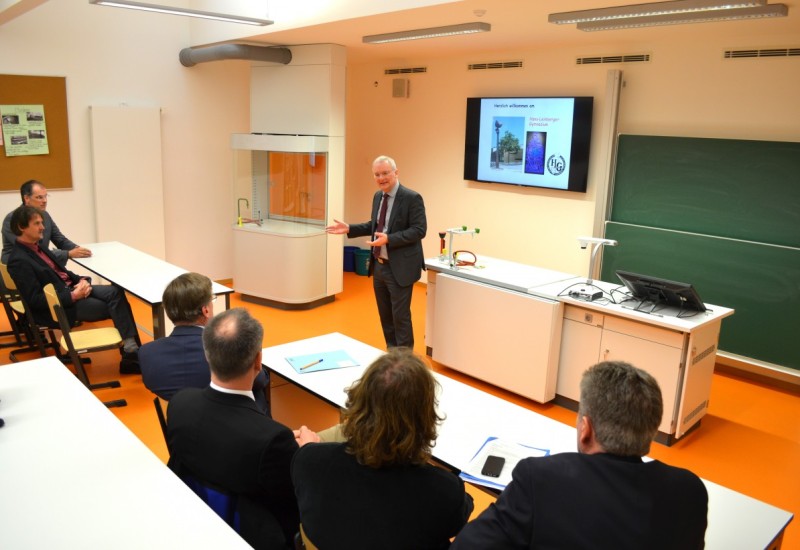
[143,276]
[734,520]
[73,476]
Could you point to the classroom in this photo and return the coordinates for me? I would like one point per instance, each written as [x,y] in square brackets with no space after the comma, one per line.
[115,58]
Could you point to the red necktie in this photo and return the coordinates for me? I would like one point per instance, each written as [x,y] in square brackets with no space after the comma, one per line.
[376,250]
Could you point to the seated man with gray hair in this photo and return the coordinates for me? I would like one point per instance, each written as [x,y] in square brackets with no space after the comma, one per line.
[178,361]
[605,495]
[218,436]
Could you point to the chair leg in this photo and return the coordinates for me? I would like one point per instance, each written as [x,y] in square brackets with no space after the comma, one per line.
[13,321]
[81,372]
[36,343]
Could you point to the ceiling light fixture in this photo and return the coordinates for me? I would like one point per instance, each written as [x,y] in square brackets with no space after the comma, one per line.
[771,10]
[129,4]
[449,30]
[648,10]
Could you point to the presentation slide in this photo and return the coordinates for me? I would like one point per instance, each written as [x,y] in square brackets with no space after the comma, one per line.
[526,141]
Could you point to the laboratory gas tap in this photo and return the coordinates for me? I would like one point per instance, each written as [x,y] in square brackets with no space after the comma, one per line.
[451,256]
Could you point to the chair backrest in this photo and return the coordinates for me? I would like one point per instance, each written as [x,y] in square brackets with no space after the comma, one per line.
[307,544]
[7,280]
[56,310]
[161,412]
[222,502]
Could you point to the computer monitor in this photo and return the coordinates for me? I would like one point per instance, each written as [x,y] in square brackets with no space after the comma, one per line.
[661,291]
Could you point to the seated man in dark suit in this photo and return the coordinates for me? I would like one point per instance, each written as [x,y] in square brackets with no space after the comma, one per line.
[34,193]
[178,361]
[33,267]
[220,437]
[604,496]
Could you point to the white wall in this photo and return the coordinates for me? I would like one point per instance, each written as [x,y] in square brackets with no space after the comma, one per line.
[688,89]
[113,57]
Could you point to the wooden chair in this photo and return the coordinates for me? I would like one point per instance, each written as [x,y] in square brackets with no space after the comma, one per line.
[22,322]
[83,341]
[15,311]
[307,544]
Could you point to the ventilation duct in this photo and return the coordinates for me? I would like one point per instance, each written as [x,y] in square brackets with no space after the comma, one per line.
[192,56]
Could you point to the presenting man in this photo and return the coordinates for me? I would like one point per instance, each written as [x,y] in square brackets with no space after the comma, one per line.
[219,436]
[604,496]
[396,229]
[32,267]
[178,361]
[34,193]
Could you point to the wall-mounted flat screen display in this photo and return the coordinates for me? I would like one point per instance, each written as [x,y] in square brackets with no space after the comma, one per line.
[529,141]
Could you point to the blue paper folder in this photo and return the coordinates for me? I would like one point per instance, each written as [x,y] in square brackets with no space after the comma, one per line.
[323,360]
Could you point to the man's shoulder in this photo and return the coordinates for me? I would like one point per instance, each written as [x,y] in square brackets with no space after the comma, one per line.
[403,190]
[676,474]
[151,350]
[18,251]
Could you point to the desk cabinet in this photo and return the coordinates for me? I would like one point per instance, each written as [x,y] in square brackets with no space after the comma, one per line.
[281,268]
[506,338]
[588,337]
[517,327]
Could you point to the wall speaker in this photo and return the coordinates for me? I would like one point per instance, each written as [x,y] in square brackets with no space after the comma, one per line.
[399,87]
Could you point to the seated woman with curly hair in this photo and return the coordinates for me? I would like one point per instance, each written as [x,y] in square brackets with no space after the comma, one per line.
[376,489]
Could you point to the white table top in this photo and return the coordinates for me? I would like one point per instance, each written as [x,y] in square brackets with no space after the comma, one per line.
[734,520]
[510,275]
[554,285]
[73,476]
[139,273]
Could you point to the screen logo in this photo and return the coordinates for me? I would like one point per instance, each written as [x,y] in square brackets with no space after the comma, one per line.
[556,165]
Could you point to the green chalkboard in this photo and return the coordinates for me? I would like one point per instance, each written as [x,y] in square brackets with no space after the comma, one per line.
[761,282]
[723,215]
[741,189]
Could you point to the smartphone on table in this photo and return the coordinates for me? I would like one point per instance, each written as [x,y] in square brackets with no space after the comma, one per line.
[493,466]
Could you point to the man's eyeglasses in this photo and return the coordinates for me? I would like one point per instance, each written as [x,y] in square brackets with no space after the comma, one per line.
[39,197]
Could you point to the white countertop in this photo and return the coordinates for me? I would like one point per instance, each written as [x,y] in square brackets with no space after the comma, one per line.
[502,273]
[282,228]
[555,285]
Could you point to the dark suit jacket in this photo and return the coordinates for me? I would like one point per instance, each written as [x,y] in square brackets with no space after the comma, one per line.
[225,440]
[51,234]
[175,362]
[406,229]
[178,361]
[578,501]
[344,504]
[31,274]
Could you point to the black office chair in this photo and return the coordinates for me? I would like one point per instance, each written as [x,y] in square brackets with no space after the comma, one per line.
[221,501]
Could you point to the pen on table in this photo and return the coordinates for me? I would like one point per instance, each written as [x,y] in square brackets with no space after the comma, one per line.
[311,364]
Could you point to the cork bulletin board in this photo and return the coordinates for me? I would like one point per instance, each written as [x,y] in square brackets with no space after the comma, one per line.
[53,169]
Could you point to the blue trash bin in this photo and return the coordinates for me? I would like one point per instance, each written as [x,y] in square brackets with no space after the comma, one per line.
[362,261]
[350,258]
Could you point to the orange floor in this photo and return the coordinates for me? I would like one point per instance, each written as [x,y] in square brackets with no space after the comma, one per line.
[749,441]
